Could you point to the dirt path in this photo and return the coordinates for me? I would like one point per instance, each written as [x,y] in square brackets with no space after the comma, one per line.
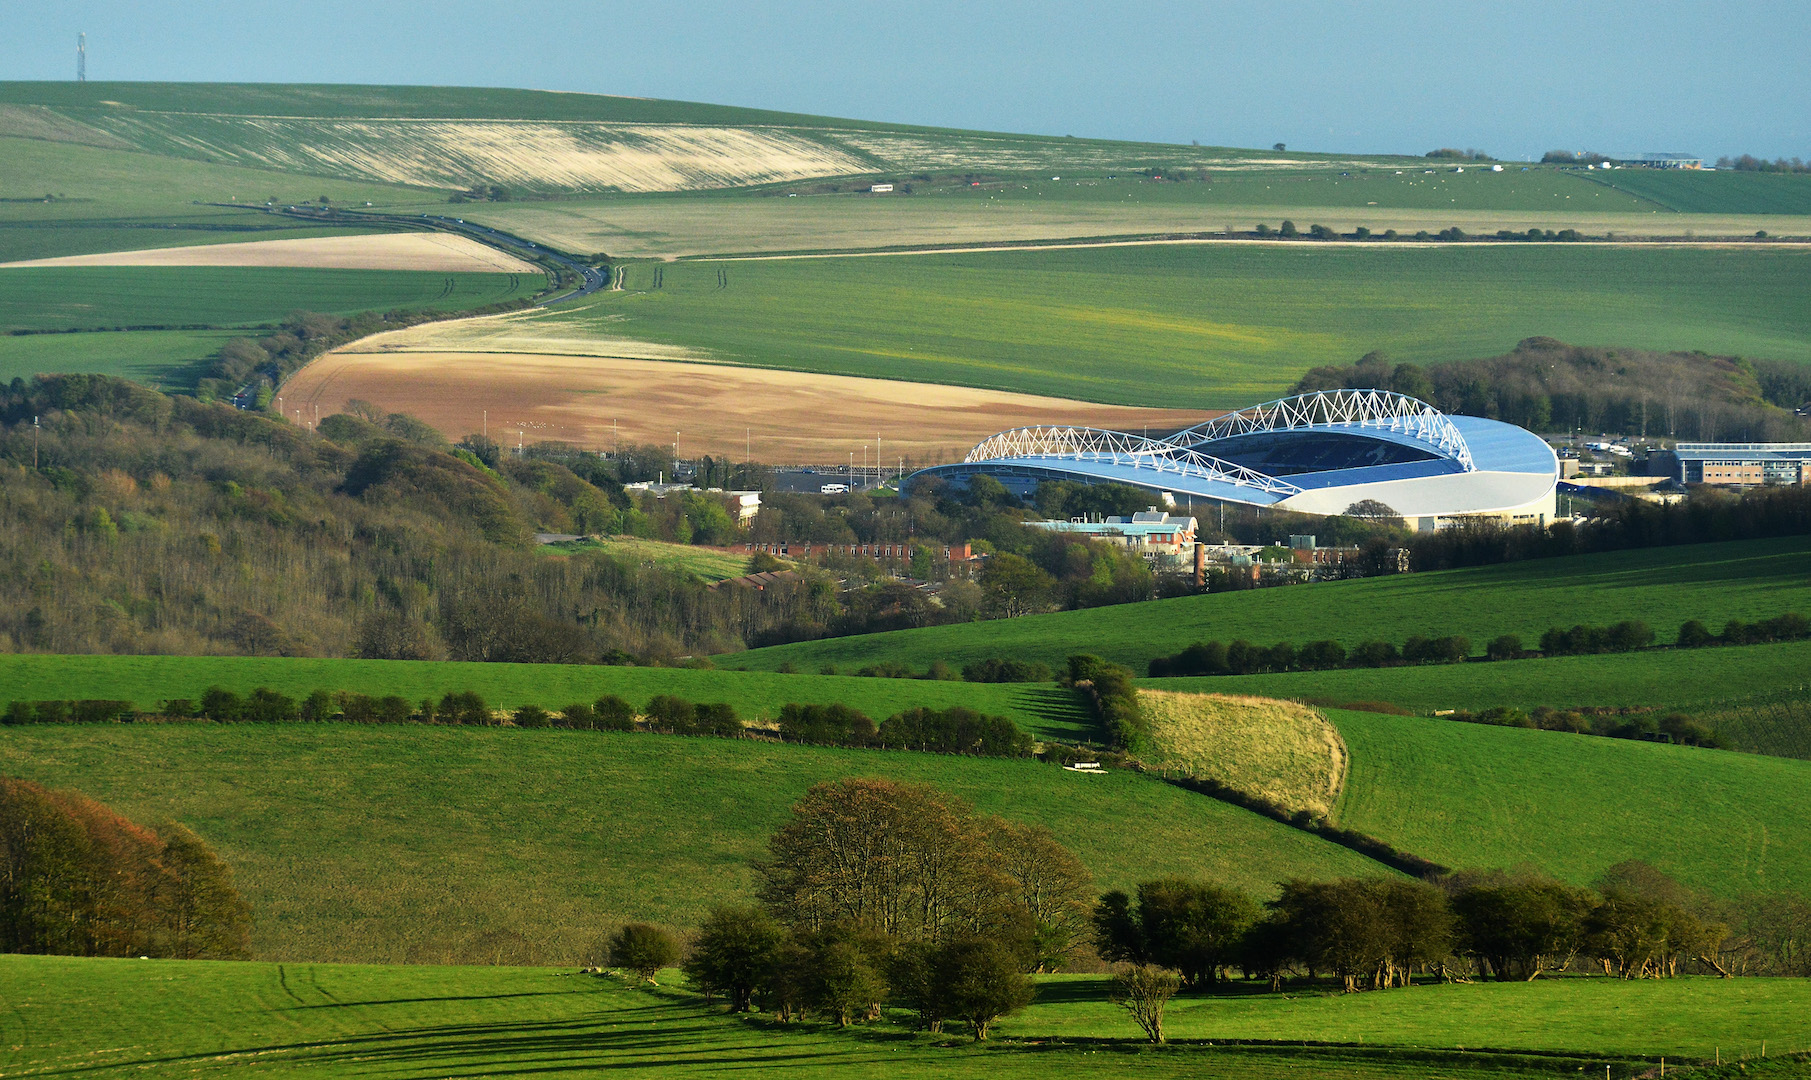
[783,417]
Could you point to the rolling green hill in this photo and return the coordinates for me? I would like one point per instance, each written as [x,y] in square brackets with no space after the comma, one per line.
[1210,326]
[1472,796]
[1724,191]
[1748,579]
[1047,710]
[430,844]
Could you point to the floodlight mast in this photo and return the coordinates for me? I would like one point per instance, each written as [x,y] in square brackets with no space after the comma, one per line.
[81,58]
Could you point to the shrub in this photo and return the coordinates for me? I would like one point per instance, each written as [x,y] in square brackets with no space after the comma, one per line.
[886,669]
[1321,656]
[463,707]
[717,718]
[532,716]
[319,706]
[736,949]
[180,709]
[671,715]
[217,704]
[1694,634]
[614,714]
[1506,647]
[825,725]
[579,716]
[1374,654]
[996,670]
[1201,658]
[956,730]
[643,949]
[1110,690]
[358,708]
[100,712]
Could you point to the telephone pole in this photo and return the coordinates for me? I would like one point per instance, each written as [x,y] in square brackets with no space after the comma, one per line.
[81,58]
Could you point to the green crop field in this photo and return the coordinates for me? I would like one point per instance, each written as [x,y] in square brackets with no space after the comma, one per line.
[434,844]
[1751,579]
[61,297]
[167,359]
[1697,681]
[109,1018]
[1047,710]
[1205,326]
[1472,796]
[1724,191]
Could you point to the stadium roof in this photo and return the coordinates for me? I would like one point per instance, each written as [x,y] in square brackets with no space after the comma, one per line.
[1316,453]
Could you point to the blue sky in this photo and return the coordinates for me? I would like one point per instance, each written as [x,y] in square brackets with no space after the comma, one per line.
[1404,76]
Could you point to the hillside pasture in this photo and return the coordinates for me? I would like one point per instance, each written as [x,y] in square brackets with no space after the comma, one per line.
[434,845]
[1664,587]
[64,297]
[1204,326]
[118,1018]
[148,681]
[1478,797]
[166,359]
[1697,681]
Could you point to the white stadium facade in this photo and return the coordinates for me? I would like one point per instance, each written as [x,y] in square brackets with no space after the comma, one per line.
[1315,454]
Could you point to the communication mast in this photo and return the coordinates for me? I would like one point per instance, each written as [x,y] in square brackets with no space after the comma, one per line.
[81,58]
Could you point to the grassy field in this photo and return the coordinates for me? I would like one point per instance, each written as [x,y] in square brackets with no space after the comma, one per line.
[168,359]
[1277,750]
[110,1018]
[427,844]
[61,297]
[1749,579]
[1683,1019]
[1472,796]
[1724,191]
[709,564]
[1693,680]
[1043,708]
[1214,326]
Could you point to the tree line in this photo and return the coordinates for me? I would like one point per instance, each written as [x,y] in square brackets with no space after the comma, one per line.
[954,730]
[876,892]
[1548,385]
[79,879]
[1378,934]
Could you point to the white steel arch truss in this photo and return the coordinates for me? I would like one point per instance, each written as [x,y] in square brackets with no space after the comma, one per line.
[1379,410]
[1095,445]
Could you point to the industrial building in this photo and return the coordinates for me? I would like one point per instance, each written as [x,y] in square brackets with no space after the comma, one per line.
[1743,464]
[1317,453]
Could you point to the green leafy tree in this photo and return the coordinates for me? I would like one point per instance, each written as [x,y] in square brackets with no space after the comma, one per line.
[643,949]
[978,980]
[735,950]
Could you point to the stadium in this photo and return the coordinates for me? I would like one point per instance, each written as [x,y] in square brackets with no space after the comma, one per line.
[1316,454]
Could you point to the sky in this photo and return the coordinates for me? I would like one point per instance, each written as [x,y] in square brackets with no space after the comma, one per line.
[1388,76]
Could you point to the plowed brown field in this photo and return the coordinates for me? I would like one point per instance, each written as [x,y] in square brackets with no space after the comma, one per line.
[786,416]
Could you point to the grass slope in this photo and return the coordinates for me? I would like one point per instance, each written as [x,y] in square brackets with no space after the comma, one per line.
[1748,579]
[1721,192]
[708,564]
[1687,1018]
[1689,679]
[167,359]
[117,1018]
[150,680]
[1573,805]
[424,844]
[1216,326]
[62,297]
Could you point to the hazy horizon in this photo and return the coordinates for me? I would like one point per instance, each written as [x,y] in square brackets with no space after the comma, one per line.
[1401,77]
